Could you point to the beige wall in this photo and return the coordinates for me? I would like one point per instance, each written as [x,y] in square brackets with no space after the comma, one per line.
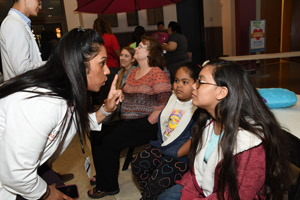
[72,18]
[76,19]
[228,27]
[212,13]
[216,13]
[220,13]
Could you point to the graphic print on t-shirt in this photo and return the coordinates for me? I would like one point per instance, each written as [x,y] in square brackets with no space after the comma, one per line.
[174,119]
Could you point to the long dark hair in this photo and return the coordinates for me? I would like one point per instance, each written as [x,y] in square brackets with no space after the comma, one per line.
[64,75]
[243,108]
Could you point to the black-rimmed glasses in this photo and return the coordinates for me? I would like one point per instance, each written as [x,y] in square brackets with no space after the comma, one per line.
[199,82]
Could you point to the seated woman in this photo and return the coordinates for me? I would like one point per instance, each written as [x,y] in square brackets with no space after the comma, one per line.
[127,63]
[146,92]
[237,150]
[170,150]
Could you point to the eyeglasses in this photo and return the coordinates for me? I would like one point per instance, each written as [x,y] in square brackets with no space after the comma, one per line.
[142,47]
[199,82]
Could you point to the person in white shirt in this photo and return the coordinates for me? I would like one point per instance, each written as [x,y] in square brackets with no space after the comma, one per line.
[42,109]
[19,50]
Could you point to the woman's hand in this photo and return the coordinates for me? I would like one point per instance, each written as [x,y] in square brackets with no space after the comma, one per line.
[111,103]
[153,117]
[114,97]
[55,194]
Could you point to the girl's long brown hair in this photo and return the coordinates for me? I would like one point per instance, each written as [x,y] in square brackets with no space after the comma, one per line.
[242,103]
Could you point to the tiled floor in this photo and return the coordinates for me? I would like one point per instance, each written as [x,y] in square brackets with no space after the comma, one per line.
[72,161]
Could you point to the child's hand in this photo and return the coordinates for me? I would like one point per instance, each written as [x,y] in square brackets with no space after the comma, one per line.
[114,97]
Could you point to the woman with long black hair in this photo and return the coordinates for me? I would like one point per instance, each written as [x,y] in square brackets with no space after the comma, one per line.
[42,109]
[238,148]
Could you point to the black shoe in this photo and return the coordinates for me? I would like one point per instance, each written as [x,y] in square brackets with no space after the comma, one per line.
[66,177]
[100,194]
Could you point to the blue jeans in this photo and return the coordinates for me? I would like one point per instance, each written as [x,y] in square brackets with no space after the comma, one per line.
[173,193]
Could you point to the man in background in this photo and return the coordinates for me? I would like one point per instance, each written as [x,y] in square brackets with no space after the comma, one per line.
[161,35]
[19,50]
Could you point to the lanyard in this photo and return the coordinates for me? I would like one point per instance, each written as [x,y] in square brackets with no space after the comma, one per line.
[81,143]
[87,162]
[79,135]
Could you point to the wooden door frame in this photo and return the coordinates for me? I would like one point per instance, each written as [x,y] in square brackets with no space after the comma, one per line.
[286,19]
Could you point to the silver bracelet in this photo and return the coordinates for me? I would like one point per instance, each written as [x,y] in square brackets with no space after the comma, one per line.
[104,112]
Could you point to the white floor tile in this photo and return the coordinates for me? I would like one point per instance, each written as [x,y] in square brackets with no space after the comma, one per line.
[128,191]
[72,161]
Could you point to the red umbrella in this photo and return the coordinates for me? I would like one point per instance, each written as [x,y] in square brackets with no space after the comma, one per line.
[117,6]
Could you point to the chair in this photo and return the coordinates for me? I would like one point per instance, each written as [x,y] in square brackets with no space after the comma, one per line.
[128,158]
[129,155]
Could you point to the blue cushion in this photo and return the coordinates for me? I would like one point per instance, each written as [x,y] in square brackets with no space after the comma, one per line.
[278,97]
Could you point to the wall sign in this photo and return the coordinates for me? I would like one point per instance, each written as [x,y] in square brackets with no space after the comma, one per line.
[257,35]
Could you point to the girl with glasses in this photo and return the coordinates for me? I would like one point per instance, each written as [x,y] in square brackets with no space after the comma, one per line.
[237,149]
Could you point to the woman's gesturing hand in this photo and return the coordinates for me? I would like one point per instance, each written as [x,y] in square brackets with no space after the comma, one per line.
[111,103]
[114,97]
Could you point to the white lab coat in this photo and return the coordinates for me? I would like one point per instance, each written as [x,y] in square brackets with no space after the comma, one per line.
[29,136]
[19,50]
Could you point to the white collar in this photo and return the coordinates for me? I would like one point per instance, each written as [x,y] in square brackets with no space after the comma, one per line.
[164,119]
[205,172]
